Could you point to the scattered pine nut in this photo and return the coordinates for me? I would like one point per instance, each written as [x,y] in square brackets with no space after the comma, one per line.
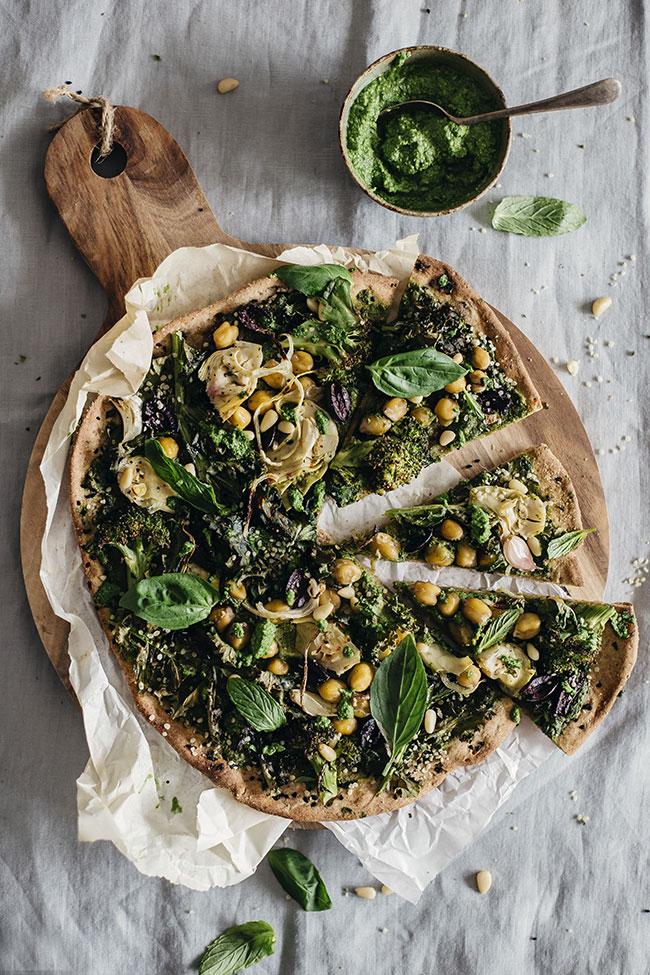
[600,306]
[386,890]
[483,881]
[367,893]
[572,367]
[226,85]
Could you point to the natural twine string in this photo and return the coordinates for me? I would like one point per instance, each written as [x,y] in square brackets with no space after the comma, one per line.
[101,104]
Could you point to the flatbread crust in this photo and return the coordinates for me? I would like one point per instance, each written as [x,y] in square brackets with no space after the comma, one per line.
[474,310]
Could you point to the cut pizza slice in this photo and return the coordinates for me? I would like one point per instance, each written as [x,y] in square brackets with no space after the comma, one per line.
[520,518]
[564,662]
[446,372]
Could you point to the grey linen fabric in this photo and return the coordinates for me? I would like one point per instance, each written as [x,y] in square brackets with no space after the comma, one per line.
[567,897]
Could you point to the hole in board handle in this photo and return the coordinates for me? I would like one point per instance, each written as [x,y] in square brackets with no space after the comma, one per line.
[111,165]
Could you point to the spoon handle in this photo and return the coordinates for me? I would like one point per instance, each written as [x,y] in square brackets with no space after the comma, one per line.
[598,93]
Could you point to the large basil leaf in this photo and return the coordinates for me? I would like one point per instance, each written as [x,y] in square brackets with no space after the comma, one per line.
[261,711]
[398,700]
[172,601]
[566,543]
[187,485]
[299,877]
[238,948]
[537,216]
[497,629]
[415,373]
[312,280]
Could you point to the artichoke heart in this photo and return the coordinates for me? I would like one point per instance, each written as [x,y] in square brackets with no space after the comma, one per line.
[517,513]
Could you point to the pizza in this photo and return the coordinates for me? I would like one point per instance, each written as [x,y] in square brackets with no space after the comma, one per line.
[271,660]
[520,518]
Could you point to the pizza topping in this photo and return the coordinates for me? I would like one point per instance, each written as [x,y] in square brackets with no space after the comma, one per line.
[130,410]
[509,664]
[517,553]
[139,483]
[231,375]
[158,417]
[331,648]
[517,513]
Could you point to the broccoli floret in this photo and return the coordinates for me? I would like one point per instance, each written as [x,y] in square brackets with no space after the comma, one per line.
[296,499]
[108,594]
[138,535]
[400,454]
[262,638]
[234,443]
[479,529]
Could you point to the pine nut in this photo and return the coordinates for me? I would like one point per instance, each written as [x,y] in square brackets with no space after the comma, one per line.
[483,881]
[446,438]
[285,426]
[125,479]
[600,306]
[367,893]
[323,611]
[327,753]
[312,304]
[430,718]
[347,592]
[516,485]
[572,367]
[386,890]
[267,421]
[532,651]
[534,545]
[226,85]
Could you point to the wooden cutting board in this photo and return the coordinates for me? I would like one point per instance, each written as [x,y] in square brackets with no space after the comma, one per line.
[125,226]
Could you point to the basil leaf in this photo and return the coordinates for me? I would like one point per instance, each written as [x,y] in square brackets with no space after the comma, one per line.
[398,700]
[238,948]
[299,877]
[566,543]
[172,601]
[415,373]
[261,711]
[311,280]
[537,216]
[473,404]
[497,628]
[187,486]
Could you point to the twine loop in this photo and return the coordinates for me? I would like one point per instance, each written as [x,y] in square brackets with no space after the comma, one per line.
[99,104]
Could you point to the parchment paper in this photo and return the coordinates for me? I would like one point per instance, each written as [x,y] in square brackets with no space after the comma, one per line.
[135,790]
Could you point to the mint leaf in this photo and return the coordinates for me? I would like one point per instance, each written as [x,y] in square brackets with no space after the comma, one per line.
[537,216]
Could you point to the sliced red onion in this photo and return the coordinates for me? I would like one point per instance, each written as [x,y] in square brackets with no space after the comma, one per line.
[517,553]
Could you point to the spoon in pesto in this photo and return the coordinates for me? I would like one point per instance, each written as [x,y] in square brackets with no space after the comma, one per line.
[599,93]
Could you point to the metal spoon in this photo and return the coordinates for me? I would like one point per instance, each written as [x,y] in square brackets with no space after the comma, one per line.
[598,93]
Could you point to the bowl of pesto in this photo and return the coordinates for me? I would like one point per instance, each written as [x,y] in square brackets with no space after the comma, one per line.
[418,162]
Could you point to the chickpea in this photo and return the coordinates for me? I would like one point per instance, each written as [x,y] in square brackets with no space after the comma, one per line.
[330,597]
[461,632]
[456,386]
[276,606]
[360,677]
[476,611]
[374,425]
[346,572]
[486,560]
[276,380]
[426,593]
[273,649]
[480,358]
[439,554]
[449,604]
[470,677]
[476,376]
[237,590]
[222,617]
[302,362]
[308,385]
[451,530]
[385,546]
[527,626]
[345,726]
[260,400]
[466,556]
[445,410]
[395,408]
[241,418]
[423,416]
[331,689]
[169,446]
[225,335]
[278,667]
[238,638]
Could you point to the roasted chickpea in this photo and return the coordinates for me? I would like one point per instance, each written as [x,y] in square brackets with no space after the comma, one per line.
[276,380]
[273,649]
[238,635]
[395,408]
[169,446]
[476,376]
[426,593]
[331,689]
[222,617]
[445,410]
[466,556]
[480,358]
[470,677]
[486,560]
[276,606]
[345,726]
[308,385]
[384,546]
[302,362]
[237,590]
[346,572]
[278,667]
[439,554]
[422,415]
[527,626]
[449,604]
[260,400]
[374,425]
[241,418]
[456,386]
[360,677]
[461,632]
[451,530]
[476,611]
[225,335]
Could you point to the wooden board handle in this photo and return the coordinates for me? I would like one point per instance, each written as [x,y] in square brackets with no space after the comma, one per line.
[126,225]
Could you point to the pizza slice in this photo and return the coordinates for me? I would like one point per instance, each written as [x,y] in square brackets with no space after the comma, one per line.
[446,372]
[564,662]
[520,518]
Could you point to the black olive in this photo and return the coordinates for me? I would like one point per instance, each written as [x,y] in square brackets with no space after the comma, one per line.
[370,734]
[495,400]
[248,320]
[339,401]
[566,699]
[540,688]
[159,417]
[417,539]
[298,584]
[316,673]
[267,437]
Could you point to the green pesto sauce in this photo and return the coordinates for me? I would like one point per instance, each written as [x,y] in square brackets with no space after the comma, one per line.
[422,161]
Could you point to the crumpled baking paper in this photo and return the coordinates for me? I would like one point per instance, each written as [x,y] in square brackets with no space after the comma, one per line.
[137,791]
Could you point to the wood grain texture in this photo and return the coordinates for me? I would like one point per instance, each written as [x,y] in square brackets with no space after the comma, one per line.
[124,228]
